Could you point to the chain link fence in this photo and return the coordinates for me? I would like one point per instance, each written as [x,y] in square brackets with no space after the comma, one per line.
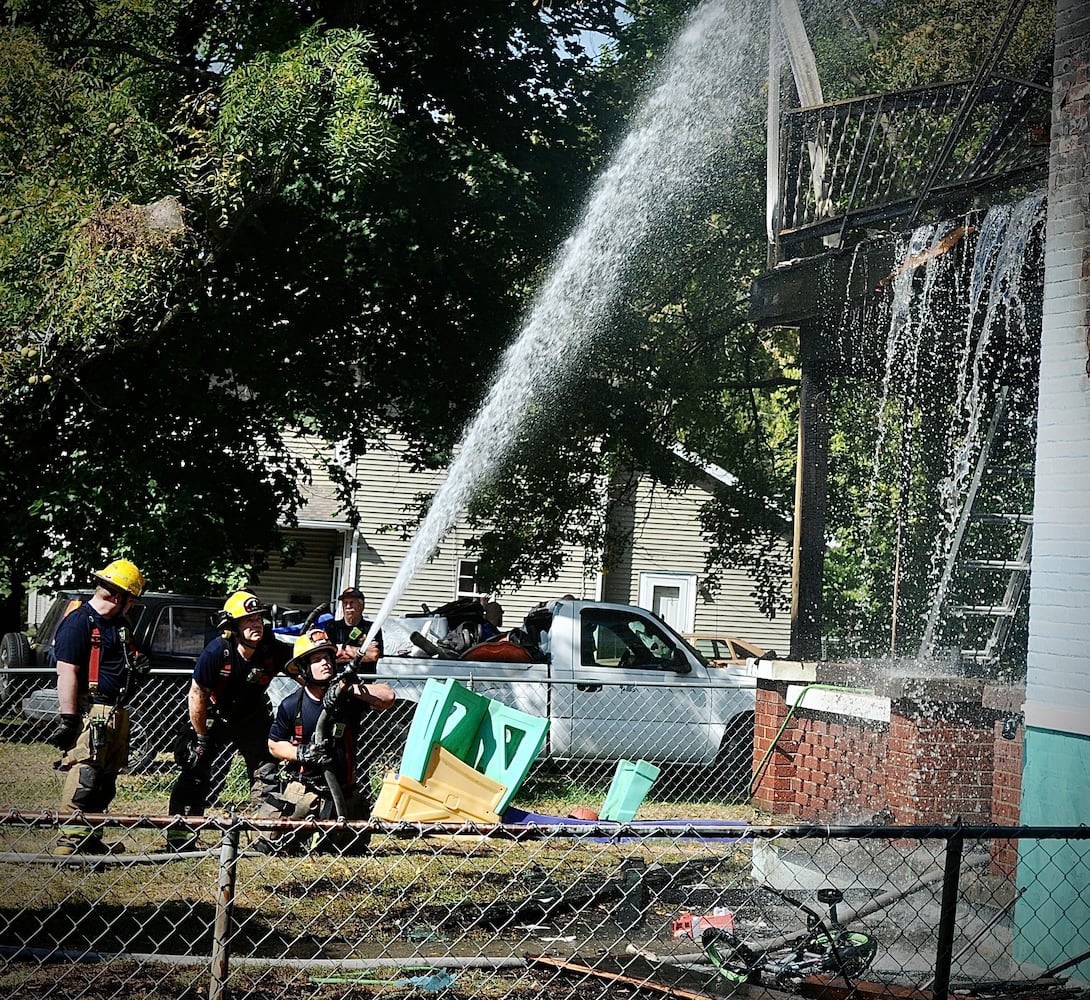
[525,909]
[672,728]
[547,905]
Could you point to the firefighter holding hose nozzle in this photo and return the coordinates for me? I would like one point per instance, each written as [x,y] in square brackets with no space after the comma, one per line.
[316,733]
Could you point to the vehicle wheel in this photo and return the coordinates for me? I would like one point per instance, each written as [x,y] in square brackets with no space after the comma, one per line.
[853,953]
[14,652]
[141,749]
[734,763]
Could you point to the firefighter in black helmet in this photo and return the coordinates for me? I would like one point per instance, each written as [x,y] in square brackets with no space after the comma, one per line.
[228,710]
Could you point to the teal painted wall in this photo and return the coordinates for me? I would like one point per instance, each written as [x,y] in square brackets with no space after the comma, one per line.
[1052,919]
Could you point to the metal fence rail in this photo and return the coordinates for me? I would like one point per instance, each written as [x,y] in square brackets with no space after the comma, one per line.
[526,909]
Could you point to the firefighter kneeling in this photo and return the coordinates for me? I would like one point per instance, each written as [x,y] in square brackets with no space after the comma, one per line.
[316,732]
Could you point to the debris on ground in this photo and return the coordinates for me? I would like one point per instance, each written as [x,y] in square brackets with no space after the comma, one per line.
[668,981]
[431,983]
[835,988]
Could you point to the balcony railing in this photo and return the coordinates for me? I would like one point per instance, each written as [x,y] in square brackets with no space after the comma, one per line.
[859,164]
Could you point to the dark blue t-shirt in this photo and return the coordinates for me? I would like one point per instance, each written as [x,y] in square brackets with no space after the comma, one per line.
[238,685]
[297,718]
[72,644]
[340,631]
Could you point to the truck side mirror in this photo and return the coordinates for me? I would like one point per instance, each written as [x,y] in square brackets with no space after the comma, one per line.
[680,662]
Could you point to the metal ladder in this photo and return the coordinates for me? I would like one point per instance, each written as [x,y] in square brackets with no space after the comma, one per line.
[946,608]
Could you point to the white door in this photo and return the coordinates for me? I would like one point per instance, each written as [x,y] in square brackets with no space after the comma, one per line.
[671,596]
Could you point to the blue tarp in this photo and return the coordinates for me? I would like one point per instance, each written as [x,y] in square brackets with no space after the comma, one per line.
[690,828]
[298,629]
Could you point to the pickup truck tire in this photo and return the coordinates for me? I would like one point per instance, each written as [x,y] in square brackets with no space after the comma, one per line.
[734,763]
[14,652]
[141,749]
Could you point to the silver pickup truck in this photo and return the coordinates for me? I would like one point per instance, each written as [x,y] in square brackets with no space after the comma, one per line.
[615,681]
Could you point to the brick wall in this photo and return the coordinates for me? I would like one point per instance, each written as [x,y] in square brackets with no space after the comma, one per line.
[942,755]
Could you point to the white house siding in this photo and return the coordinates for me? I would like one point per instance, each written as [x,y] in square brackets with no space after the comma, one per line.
[667,539]
[322,533]
[1056,753]
[308,582]
[387,492]
[1058,682]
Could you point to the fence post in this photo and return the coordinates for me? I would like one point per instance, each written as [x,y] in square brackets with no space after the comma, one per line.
[955,844]
[225,899]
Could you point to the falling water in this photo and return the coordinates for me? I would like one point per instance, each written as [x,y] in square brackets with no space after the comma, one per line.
[997,271]
[688,116]
[919,316]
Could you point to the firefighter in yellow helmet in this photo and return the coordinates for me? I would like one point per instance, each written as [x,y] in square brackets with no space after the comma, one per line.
[228,710]
[316,733]
[98,669]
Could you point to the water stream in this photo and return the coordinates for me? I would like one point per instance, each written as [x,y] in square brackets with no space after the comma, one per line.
[969,308]
[688,116]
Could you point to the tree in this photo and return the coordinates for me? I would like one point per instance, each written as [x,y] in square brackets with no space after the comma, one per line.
[677,364]
[226,222]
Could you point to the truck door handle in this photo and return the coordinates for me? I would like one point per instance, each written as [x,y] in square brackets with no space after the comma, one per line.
[588,687]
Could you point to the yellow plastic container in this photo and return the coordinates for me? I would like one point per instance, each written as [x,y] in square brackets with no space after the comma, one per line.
[448,714]
[452,791]
[627,790]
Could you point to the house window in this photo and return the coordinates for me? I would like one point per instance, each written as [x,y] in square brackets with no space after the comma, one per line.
[467,584]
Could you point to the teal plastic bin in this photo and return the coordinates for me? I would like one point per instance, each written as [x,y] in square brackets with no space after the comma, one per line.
[507,743]
[627,790]
[448,714]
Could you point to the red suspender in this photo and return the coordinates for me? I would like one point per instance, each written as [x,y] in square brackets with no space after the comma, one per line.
[96,655]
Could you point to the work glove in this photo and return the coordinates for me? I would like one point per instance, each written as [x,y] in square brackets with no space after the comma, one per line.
[197,751]
[67,731]
[315,755]
[141,665]
[333,695]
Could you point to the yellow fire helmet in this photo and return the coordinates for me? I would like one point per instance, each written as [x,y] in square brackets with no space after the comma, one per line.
[309,642]
[121,575]
[242,604]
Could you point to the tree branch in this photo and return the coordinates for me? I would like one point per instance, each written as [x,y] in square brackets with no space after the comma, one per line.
[151,60]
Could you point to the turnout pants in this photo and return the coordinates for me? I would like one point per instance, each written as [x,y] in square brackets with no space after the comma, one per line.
[300,800]
[92,765]
[196,786]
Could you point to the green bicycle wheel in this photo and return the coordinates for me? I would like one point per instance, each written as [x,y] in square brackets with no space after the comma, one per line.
[732,958]
[846,953]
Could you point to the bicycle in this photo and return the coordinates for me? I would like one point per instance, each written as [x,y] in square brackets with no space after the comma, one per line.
[826,947]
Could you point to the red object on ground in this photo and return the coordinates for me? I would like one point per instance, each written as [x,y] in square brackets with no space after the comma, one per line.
[689,926]
[582,812]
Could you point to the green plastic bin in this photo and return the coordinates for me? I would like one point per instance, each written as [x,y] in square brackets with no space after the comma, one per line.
[627,790]
[506,745]
[448,714]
